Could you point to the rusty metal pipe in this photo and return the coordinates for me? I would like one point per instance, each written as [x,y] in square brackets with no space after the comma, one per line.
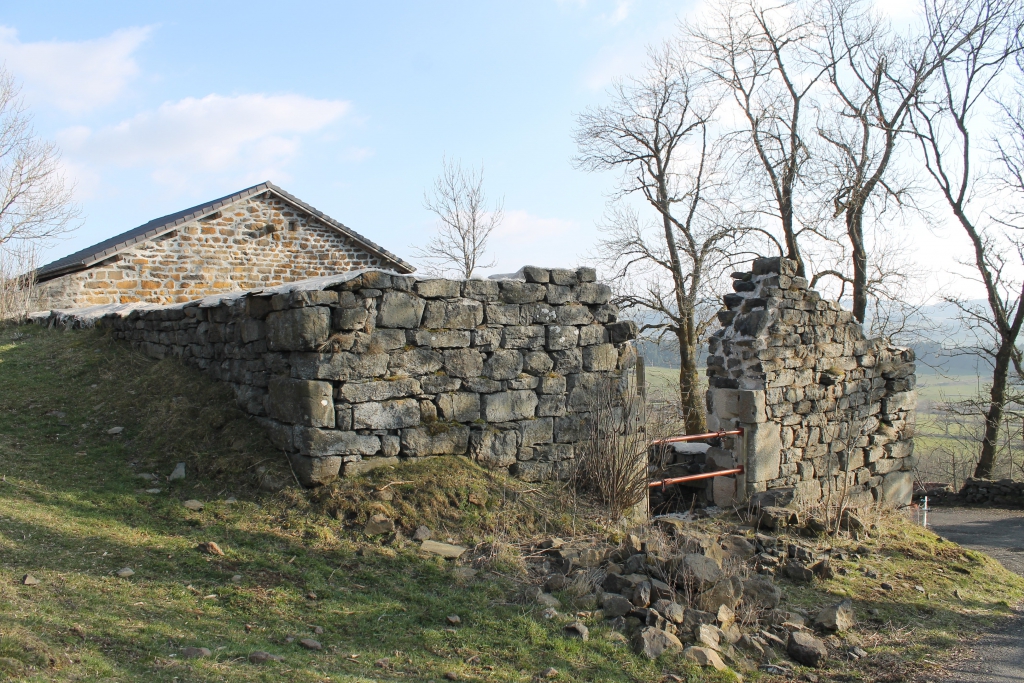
[697,437]
[695,477]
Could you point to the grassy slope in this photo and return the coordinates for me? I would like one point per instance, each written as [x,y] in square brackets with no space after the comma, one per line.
[72,512]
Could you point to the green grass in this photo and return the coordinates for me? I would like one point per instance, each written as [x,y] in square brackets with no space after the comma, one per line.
[73,512]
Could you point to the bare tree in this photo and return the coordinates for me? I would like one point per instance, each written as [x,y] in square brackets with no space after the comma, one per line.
[465,224]
[656,133]
[945,122]
[762,55]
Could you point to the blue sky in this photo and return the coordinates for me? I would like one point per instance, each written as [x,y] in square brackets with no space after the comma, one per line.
[350,106]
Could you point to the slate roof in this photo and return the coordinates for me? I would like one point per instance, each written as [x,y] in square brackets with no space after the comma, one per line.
[90,256]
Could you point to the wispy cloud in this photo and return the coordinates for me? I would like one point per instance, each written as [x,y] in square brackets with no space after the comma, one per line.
[254,136]
[75,76]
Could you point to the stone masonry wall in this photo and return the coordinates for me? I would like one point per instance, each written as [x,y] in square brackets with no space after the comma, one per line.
[826,412]
[260,242]
[356,371]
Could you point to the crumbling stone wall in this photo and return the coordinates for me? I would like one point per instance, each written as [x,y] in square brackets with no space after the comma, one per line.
[356,371]
[827,413]
[261,242]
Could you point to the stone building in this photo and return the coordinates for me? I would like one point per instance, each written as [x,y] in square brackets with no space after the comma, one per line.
[258,237]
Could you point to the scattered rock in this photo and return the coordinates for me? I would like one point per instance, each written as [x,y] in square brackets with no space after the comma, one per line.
[762,592]
[653,642]
[193,505]
[550,672]
[726,617]
[195,652]
[798,571]
[823,570]
[261,657]
[153,491]
[210,548]
[379,524]
[451,676]
[125,572]
[443,549]
[886,586]
[29,580]
[708,636]
[114,431]
[549,614]
[615,606]
[704,657]
[806,649]
[178,473]
[311,644]
[837,618]
[555,582]
[236,578]
[578,629]
[422,534]
[453,619]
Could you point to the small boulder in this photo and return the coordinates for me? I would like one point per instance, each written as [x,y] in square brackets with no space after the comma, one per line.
[261,657]
[837,618]
[125,572]
[443,549]
[761,592]
[195,652]
[653,642]
[29,580]
[615,606]
[422,534]
[311,644]
[704,657]
[578,629]
[210,548]
[453,619]
[178,473]
[726,617]
[378,525]
[806,649]
[193,505]
[672,611]
[708,636]
[798,571]
[114,431]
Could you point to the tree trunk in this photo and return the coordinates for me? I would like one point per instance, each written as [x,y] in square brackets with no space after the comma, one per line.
[792,248]
[855,230]
[995,412]
[691,399]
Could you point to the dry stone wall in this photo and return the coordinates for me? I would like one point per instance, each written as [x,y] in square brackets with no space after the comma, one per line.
[260,242]
[356,371]
[826,412]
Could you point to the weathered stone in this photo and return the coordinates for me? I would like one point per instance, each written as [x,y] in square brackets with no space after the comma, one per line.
[560,337]
[537,363]
[760,591]
[621,331]
[806,649]
[298,329]
[463,362]
[461,314]
[702,571]
[600,358]
[313,471]
[653,642]
[503,364]
[379,390]
[416,362]
[439,289]
[593,293]
[524,337]
[321,442]
[507,406]
[400,309]
[764,452]
[446,550]
[837,617]
[379,524]
[538,431]
[573,314]
[494,448]
[386,414]
[357,467]
[436,439]
[481,290]
[459,407]
[704,656]
[440,339]
[300,401]
[897,488]
[516,292]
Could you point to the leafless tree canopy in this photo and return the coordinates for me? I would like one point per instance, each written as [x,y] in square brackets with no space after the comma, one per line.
[35,200]
[464,222]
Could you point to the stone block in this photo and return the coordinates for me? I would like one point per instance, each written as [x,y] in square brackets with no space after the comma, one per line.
[600,357]
[349,318]
[480,290]
[313,471]
[435,439]
[568,362]
[504,364]
[751,406]
[561,337]
[516,292]
[400,309]
[463,362]
[443,339]
[379,390]
[494,448]
[537,363]
[433,289]
[764,451]
[298,329]
[593,334]
[460,314]
[507,406]
[593,293]
[459,407]
[897,488]
[386,414]
[552,384]
[588,389]
[524,337]
[439,384]
[416,362]
[573,314]
[253,330]
[300,401]
[503,314]
[559,294]
[535,274]
[538,314]
[551,406]
[320,442]
[621,331]
[572,428]
[538,431]
[553,452]
[723,491]
[388,339]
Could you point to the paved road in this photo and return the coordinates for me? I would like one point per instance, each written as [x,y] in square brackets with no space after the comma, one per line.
[999,658]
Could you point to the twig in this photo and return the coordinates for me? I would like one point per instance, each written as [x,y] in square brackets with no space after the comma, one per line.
[393,483]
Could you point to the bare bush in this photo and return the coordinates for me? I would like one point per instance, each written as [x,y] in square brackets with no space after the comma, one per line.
[17,284]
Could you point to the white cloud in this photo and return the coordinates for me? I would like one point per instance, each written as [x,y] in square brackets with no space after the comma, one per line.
[74,75]
[250,136]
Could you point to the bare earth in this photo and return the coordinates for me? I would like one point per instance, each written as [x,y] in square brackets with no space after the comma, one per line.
[998,657]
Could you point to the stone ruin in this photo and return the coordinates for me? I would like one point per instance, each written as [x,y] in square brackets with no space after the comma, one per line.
[355,371]
[827,413]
